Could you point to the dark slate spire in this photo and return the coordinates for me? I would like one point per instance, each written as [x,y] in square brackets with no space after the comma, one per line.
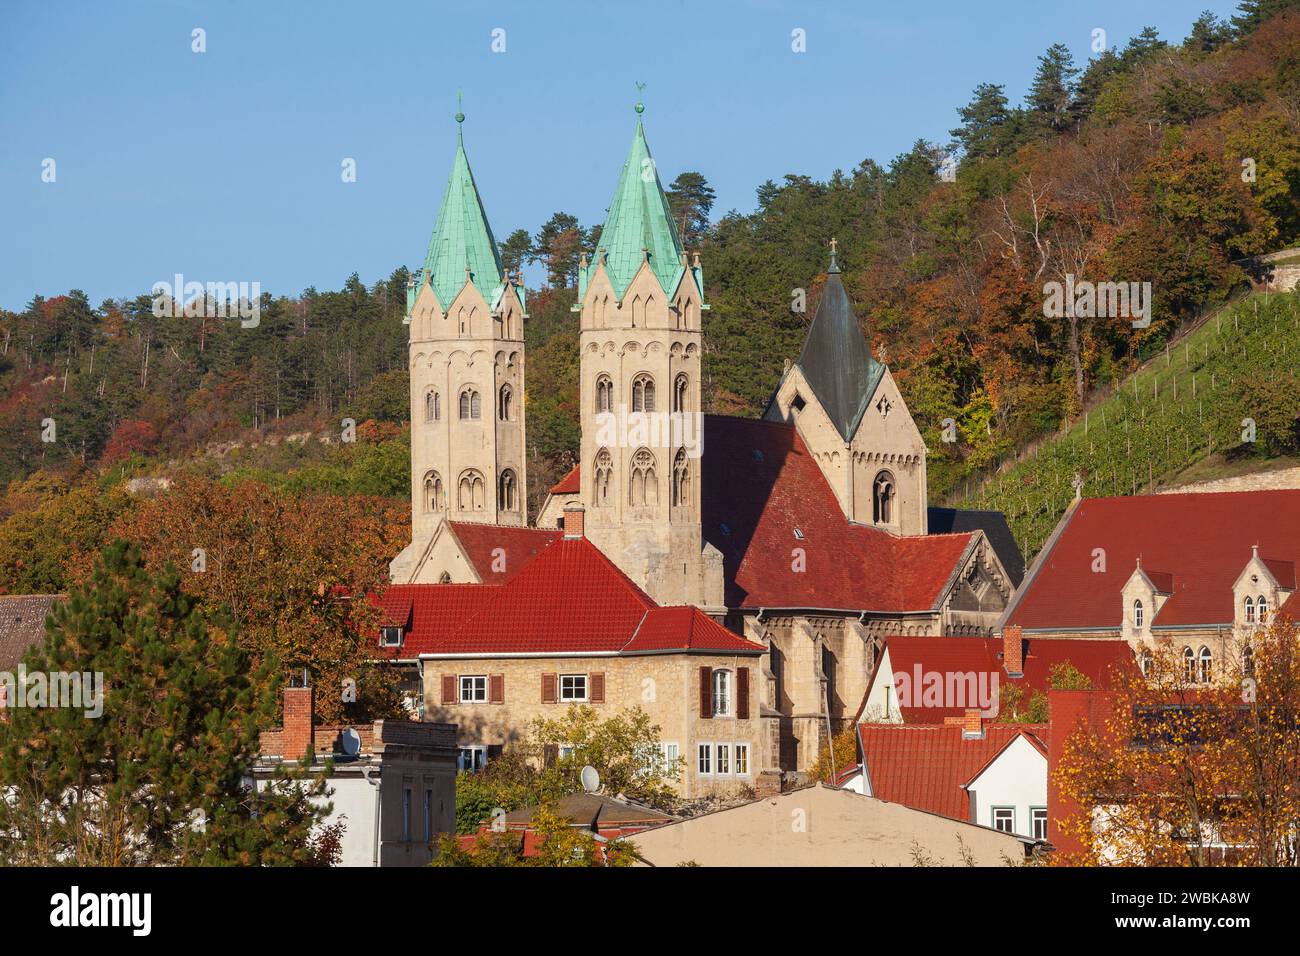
[836,359]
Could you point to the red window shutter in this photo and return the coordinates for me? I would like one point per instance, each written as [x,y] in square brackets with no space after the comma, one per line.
[449,688]
[742,693]
[496,688]
[596,692]
[549,682]
[706,691]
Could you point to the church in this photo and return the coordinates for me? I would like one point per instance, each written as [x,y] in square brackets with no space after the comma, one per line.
[775,553]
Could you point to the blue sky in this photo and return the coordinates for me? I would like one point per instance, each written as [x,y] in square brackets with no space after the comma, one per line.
[225,165]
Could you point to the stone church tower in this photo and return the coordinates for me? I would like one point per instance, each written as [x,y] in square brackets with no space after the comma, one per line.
[466,319]
[852,417]
[640,300]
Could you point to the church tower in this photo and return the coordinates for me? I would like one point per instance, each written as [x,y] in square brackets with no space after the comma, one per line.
[852,417]
[641,300]
[466,319]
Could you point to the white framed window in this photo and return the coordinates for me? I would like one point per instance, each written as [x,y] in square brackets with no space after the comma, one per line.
[1137,614]
[390,636]
[471,757]
[1038,818]
[722,693]
[564,751]
[722,763]
[1250,611]
[473,688]
[1004,819]
[671,753]
[1206,659]
[741,754]
[1262,604]
[704,760]
[573,687]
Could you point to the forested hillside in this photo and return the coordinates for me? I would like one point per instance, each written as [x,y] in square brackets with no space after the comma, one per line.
[1164,161]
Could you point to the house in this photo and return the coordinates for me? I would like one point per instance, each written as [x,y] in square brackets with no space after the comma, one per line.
[987,773]
[604,818]
[571,628]
[931,680]
[393,782]
[826,826]
[1202,570]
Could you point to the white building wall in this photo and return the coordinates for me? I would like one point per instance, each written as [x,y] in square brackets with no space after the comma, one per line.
[1017,779]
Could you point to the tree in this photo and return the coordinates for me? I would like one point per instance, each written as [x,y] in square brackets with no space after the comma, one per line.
[515,250]
[838,757]
[559,844]
[690,197]
[1178,772]
[159,776]
[558,245]
[984,122]
[1052,89]
[1208,33]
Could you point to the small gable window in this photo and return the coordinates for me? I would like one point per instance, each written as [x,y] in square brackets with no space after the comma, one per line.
[882,498]
[1137,614]
[1261,607]
[1250,611]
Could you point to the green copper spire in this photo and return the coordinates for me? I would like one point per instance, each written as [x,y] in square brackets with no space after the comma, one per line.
[639,223]
[462,244]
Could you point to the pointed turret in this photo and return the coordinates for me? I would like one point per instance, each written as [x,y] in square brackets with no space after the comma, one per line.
[639,226]
[836,359]
[462,243]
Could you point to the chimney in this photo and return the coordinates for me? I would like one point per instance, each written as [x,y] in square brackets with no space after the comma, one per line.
[574,518]
[972,726]
[298,712]
[1013,652]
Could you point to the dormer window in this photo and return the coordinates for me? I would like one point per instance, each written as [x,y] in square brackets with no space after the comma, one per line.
[1137,615]
[1250,611]
[390,636]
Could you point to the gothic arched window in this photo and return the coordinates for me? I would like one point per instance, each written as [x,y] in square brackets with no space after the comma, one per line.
[470,492]
[504,401]
[643,393]
[1145,661]
[1205,673]
[471,408]
[1262,609]
[882,498]
[1189,665]
[604,477]
[680,387]
[432,405]
[444,578]
[1250,611]
[681,478]
[642,487]
[507,492]
[432,492]
[604,394]
[1137,614]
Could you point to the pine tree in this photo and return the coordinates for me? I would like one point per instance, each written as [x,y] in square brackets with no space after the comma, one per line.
[690,197]
[984,122]
[158,776]
[515,250]
[1052,90]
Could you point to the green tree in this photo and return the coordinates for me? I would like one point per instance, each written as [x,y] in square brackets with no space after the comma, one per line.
[515,250]
[985,121]
[690,197]
[157,778]
[1052,90]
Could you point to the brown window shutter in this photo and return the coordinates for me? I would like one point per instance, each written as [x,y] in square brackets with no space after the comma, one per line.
[496,688]
[549,683]
[449,688]
[742,693]
[596,692]
[706,691]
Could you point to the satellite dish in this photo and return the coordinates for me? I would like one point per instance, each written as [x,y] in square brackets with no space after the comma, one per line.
[590,779]
[350,740]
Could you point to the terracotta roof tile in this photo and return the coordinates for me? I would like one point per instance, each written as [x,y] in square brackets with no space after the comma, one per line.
[570,484]
[518,547]
[22,624]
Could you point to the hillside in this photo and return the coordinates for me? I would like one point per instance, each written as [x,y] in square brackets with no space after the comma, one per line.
[1195,399]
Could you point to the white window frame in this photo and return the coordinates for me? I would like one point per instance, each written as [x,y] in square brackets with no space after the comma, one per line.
[670,752]
[386,631]
[474,688]
[724,698]
[722,760]
[704,759]
[741,747]
[1137,614]
[1035,815]
[569,696]
[477,755]
[1011,816]
[563,751]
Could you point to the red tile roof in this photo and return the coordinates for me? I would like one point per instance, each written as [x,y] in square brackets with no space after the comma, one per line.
[570,484]
[761,486]
[568,599]
[1291,607]
[1096,660]
[1068,710]
[518,546]
[1202,540]
[927,767]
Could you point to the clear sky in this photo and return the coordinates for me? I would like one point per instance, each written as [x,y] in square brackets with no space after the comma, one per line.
[226,165]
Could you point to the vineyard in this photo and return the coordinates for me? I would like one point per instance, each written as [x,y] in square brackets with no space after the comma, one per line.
[1229,386]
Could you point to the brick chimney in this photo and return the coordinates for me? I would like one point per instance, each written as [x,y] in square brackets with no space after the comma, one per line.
[575,516]
[298,713]
[972,726]
[1013,651]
